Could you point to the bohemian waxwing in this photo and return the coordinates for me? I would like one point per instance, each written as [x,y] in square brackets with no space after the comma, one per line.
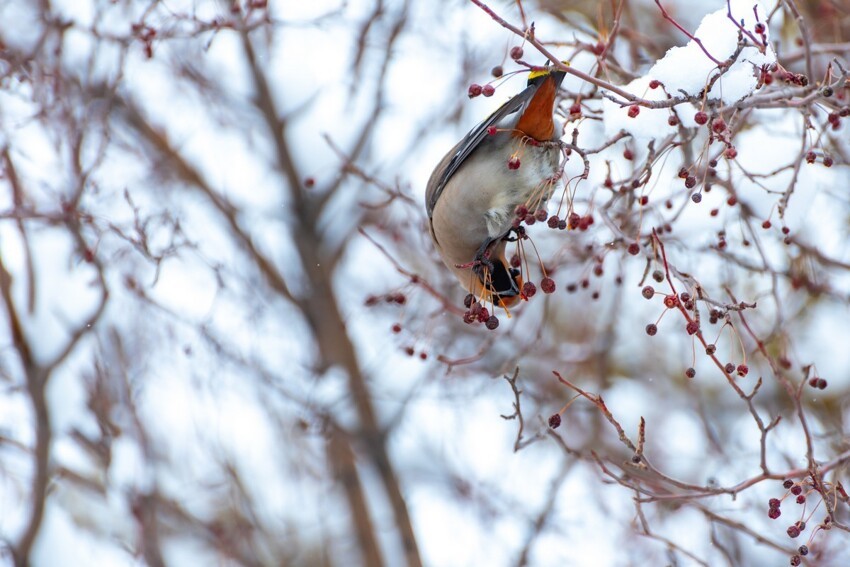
[511,159]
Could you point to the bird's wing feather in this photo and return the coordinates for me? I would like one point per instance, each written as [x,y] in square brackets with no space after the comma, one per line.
[470,142]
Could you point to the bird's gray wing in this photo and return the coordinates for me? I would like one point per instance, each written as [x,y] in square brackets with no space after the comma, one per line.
[468,144]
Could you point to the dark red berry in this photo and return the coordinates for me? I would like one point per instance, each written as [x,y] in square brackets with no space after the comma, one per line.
[690,181]
[710,349]
[474,90]
[529,289]
[795,561]
[766,224]
[804,550]
[801,499]
[521,211]
[634,249]
[787,484]
[654,83]
[648,292]
[692,327]
[827,161]
[513,162]
[670,301]
[497,71]
[696,197]
[516,52]
[742,370]
[396,328]
[547,285]
[672,120]
[658,276]
[821,384]
[683,173]
[553,221]
[700,117]
[796,489]
[730,152]
[468,300]
[555,420]
[718,125]
[488,90]
[793,531]
[541,215]
[759,28]
[651,329]
[628,154]
[774,513]
[492,322]
[634,111]
[690,372]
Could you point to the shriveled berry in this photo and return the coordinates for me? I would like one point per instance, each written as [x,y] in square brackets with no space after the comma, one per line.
[729,368]
[804,550]
[692,327]
[547,285]
[651,329]
[774,513]
[690,181]
[730,152]
[795,561]
[787,484]
[521,211]
[683,173]
[553,221]
[796,489]
[492,322]
[793,531]
[516,52]
[529,289]
[700,117]
[468,300]
[555,420]
[690,372]
[742,370]
[541,215]
[710,349]
[648,292]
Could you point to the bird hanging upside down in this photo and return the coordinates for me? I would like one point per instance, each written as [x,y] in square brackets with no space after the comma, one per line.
[510,160]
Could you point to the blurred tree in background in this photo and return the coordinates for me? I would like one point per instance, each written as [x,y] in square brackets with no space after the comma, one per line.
[227,338]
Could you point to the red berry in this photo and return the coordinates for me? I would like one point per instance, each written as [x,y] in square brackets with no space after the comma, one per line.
[810,157]
[690,372]
[474,90]
[648,292]
[488,90]
[491,130]
[672,120]
[628,154]
[492,322]
[774,513]
[793,531]
[541,215]
[575,108]
[692,327]
[700,117]
[718,126]
[774,502]
[634,111]
[759,28]
[547,285]
[654,83]
[742,370]
[801,499]
[521,211]
[555,420]
[396,328]
[516,52]
[309,182]
[553,221]
[766,224]
[651,329]
[634,249]
[529,289]
[710,349]
[731,152]
[690,181]
[513,162]
[497,71]
[827,161]
[804,550]
[786,485]
[670,301]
